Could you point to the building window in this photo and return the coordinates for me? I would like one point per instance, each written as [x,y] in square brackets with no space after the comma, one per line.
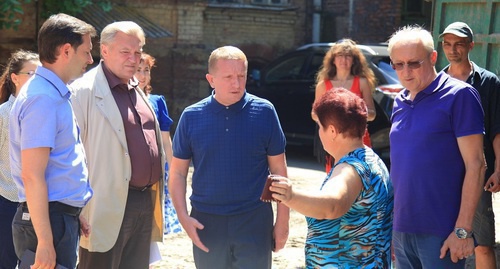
[270,2]
[413,7]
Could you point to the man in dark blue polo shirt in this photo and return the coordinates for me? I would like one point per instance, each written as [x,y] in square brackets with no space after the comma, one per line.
[234,140]
[458,41]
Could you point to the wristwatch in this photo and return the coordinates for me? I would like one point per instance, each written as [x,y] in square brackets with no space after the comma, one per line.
[462,233]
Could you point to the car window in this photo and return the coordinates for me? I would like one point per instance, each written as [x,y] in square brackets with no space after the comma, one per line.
[288,69]
[389,74]
[316,62]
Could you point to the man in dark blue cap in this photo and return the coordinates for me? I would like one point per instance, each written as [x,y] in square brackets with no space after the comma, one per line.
[458,41]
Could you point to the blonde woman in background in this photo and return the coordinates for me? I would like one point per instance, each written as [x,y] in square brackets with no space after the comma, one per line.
[345,66]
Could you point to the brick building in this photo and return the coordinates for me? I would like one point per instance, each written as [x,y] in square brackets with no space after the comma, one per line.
[263,29]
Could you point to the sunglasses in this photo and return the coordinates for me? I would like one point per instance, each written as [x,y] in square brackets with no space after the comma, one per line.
[411,65]
[29,73]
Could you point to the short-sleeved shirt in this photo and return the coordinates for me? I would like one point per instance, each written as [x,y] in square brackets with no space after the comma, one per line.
[488,86]
[8,188]
[427,168]
[42,116]
[160,107]
[228,146]
[361,238]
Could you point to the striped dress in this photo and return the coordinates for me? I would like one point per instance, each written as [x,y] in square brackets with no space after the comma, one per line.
[361,238]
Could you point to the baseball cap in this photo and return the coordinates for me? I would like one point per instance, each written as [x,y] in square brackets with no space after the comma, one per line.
[460,29]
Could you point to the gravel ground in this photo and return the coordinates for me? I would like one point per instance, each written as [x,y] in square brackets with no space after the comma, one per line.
[307,174]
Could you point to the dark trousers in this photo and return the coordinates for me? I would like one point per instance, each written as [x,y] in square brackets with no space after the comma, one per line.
[8,258]
[242,241]
[131,250]
[65,232]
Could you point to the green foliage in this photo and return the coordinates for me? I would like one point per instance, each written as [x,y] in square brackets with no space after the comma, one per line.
[11,10]
[71,7]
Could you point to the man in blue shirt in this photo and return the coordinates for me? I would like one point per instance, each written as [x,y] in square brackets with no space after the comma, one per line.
[234,140]
[47,156]
[437,163]
[458,41]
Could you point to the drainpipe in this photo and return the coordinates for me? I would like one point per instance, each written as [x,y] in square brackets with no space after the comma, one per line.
[36,22]
[351,16]
[316,23]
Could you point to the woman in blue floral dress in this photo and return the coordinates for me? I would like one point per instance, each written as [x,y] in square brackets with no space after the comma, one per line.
[350,218]
[159,105]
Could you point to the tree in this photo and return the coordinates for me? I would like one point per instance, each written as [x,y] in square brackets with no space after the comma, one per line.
[11,10]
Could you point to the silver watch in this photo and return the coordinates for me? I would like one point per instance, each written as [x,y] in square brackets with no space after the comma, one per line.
[462,233]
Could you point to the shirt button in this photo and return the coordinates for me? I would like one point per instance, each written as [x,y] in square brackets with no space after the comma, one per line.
[227,118]
[227,107]
[227,130]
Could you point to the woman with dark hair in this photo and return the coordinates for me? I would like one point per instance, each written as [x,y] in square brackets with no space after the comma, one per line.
[20,67]
[143,75]
[345,66]
[350,218]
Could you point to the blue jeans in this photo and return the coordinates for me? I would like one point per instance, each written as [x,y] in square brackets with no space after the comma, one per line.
[65,233]
[8,258]
[420,251]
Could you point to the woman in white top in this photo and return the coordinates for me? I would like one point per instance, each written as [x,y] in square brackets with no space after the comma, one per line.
[20,68]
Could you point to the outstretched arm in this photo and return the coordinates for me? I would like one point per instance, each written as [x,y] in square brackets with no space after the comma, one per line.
[333,201]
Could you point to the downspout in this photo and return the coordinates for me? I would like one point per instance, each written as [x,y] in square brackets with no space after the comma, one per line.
[36,22]
[351,16]
[316,21]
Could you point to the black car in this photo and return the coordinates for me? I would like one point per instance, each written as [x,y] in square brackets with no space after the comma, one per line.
[289,83]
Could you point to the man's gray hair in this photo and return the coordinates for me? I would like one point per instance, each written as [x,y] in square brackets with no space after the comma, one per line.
[410,34]
[127,27]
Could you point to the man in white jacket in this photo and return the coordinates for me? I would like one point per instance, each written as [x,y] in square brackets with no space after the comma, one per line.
[122,141]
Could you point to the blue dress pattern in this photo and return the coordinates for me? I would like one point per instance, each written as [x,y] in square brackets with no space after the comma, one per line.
[159,105]
[361,238]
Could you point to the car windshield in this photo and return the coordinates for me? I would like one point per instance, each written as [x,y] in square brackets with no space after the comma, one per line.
[389,73]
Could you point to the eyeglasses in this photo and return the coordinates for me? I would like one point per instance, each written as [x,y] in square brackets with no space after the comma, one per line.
[29,73]
[411,65]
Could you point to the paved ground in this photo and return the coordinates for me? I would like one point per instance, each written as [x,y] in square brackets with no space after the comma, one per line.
[302,166]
